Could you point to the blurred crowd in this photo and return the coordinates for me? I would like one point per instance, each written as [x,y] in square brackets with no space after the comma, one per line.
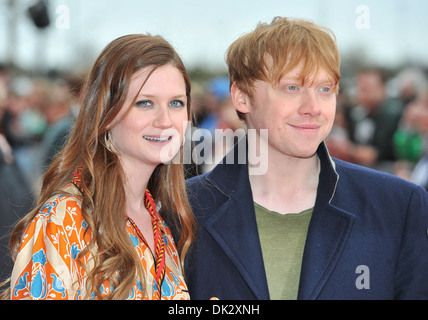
[36,114]
[381,122]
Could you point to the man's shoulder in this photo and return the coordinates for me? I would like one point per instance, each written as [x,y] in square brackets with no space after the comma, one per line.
[205,196]
[200,189]
[197,180]
[196,187]
[370,179]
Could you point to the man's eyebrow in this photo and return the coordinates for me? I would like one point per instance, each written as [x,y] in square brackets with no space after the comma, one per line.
[293,79]
[325,81]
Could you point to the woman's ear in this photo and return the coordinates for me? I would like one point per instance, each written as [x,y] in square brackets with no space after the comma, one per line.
[240,99]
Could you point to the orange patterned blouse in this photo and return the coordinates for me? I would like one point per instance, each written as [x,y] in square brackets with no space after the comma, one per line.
[47,268]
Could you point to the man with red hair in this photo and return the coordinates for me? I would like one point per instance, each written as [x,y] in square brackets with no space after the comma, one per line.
[309,226]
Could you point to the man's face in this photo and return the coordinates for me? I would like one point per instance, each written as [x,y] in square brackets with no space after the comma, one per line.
[298,117]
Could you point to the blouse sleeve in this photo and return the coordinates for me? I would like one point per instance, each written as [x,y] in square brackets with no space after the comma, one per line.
[46,266]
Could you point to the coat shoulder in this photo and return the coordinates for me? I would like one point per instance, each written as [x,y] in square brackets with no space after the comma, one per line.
[204,196]
[372,182]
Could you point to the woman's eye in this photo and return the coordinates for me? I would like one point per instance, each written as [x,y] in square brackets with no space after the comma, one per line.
[177,103]
[143,103]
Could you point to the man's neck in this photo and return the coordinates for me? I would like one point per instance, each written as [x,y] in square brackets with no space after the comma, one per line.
[289,184]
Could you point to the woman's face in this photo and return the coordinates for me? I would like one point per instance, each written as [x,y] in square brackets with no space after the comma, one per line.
[152,131]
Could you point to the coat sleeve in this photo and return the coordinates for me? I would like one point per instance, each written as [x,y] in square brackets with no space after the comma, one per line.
[412,265]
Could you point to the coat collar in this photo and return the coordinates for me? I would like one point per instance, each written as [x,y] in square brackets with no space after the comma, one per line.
[225,172]
[234,226]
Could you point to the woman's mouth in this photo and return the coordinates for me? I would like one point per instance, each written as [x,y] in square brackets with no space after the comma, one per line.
[157,139]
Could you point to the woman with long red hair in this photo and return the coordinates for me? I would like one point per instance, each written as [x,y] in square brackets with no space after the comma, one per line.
[98,230]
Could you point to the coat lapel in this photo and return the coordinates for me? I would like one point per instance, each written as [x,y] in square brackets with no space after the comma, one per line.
[328,233]
[234,228]
[327,236]
[234,225]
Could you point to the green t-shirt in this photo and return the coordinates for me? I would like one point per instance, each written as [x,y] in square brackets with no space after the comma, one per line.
[282,239]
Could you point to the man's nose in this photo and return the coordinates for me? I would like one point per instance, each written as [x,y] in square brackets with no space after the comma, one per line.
[310,104]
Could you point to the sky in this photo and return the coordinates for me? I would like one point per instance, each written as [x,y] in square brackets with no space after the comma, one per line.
[385,32]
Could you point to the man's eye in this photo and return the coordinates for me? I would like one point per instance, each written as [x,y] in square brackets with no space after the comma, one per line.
[326,90]
[292,89]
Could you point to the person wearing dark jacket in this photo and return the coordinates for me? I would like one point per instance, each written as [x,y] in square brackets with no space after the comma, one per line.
[299,224]
[16,199]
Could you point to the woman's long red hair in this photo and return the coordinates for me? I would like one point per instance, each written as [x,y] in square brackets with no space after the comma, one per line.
[103,199]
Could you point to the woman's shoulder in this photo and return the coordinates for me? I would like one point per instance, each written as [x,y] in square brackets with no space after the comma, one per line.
[63,205]
[59,221]
[46,266]
[60,218]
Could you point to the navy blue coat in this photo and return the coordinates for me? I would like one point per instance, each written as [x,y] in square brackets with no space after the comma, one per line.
[367,238]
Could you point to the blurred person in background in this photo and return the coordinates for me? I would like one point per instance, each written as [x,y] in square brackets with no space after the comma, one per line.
[24,123]
[411,141]
[61,114]
[16,197]
[216,93]
[96,232]
[408,83]
[219,115]
[227,131]
[373,121]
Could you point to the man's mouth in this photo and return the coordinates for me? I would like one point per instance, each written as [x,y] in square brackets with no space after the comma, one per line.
[306,127]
